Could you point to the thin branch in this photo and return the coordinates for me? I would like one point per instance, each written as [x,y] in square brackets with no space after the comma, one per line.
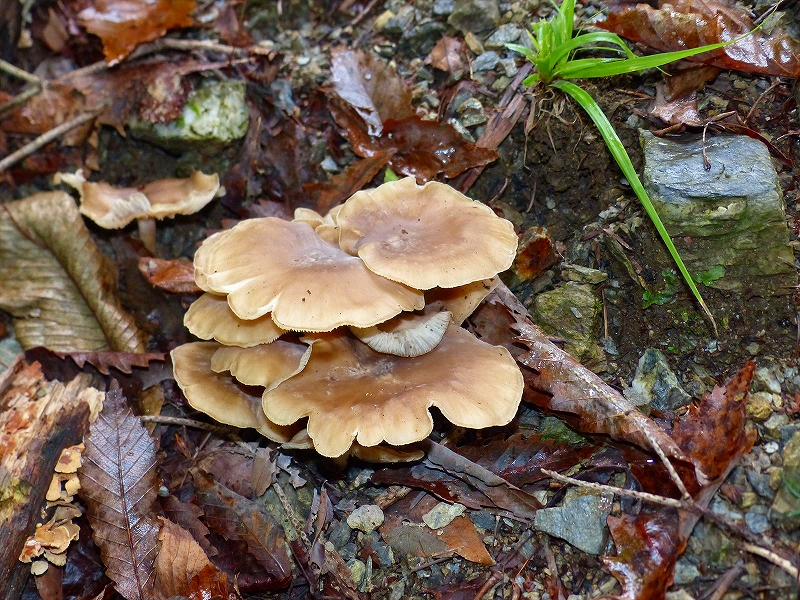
[163,420]
[673,474]
[46,138]
[775,559]
[610,489]
[24,95]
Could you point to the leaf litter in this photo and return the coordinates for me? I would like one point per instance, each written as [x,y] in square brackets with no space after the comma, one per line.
[218,541]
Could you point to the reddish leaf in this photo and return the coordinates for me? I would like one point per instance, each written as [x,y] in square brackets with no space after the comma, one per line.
[237,518]
[176,276]
[188,517]
[210,583]
[682,24]
[557,382]
[124,24]
[340,187]
[714,435]
[119,483]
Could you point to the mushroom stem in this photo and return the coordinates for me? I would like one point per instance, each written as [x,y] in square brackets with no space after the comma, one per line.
[147,233]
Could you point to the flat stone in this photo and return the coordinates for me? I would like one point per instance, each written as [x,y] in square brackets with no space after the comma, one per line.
[474,15]
[730,216]
[366,518]
[442,514]
[508,33]
[580,520]
[655,385]
[486,61]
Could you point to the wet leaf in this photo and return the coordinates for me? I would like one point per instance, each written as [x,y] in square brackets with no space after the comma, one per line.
[175,276]
[210,583]
[124,24]
[454,478]
[714,436]
[237,518]
[676,97]
[340,187]
[119,483]
[557,382]
[682,24]
[371,87]
[57,285]
[188,517]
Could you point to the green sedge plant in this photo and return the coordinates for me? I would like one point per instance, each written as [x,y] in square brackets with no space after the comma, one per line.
[552,54]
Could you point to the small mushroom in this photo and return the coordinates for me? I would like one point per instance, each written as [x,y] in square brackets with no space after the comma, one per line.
[270,265]
[267,365]
[210,317]
[407,334]
[460,301]
[351,393]
[113,208]
[425,236]
[219,395]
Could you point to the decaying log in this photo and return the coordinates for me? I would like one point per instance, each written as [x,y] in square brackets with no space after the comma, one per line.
[38,419]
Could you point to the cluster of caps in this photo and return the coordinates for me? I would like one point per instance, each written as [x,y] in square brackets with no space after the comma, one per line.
[339,332]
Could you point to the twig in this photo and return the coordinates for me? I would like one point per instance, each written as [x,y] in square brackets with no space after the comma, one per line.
[775,559]
[164,420]
[24,95]
[673,474]
[46,138]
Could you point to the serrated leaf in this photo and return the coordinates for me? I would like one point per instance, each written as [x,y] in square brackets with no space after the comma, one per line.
[119,483]
[237,518]
[57,285]
[179,560]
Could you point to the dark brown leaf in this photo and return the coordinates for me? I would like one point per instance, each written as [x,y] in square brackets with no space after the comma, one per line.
[237,518]
[188,517]
[124,24]
[210,583]
[676,96]
[682,24]
[340,187]
[180,559]
[176,275]
[558,383]
[119,483]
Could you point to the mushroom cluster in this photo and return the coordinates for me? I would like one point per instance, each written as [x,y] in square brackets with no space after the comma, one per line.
[339,332]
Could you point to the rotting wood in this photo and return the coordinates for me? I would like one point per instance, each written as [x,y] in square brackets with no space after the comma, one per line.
[38,419]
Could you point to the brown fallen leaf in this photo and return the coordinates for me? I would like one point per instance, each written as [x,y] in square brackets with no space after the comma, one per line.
[447,55]
[188,517]
[340,187]
[371,86]
[676,96]
[124,24]
[175,275]
[714,435]
[681,24]
[57,285]
[119,483]
[560,384]
[237,518]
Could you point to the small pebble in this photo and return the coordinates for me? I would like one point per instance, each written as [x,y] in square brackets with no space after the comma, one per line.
[366,518]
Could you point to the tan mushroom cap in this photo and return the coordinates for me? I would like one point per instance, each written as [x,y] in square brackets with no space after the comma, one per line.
[210,317]
[112,207]
[267,365]
[407,334]
[350,392]
[325,227]
[375,454]
[425,236]
[270,265]
[460,301]
[219,395]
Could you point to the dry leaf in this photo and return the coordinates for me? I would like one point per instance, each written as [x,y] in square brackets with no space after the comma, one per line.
[124,24]
[119,483]
[180,559]
[237,518]
[176,276]
[188,517]
[446,55]
[57,284]
[340,187]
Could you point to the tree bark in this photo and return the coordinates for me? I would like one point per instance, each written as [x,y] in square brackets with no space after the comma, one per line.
[38,419]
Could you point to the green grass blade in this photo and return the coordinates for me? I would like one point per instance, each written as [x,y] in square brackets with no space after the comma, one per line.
[591,38]
[524,50]
[619,153]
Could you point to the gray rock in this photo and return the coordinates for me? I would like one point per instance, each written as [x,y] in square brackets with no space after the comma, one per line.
[366,518]
[580,520]
[581,274]
[685,572]
[470,112]
[508,33]
[215,115]
[442,514]
[443,7]
[484,520]
[340,534]
[756,519]
[485,62]
[791,451]
[474,15]
[655,384]
[730,216]
[572,311]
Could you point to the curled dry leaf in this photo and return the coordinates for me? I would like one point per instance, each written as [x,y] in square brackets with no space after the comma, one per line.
[681,24]
[119,483]
[124,24]
[57,284]
[175,276]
